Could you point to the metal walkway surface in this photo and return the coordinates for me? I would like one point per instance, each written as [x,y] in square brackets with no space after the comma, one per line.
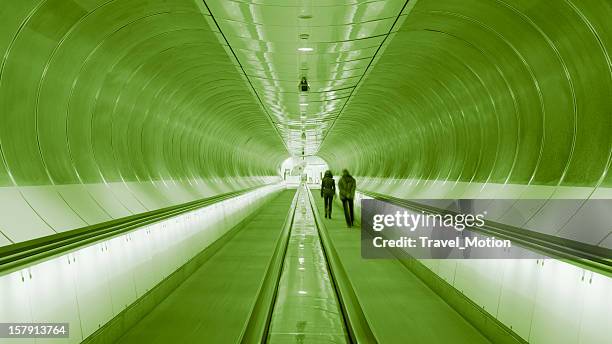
[306,308]
[214,304]
[399,307]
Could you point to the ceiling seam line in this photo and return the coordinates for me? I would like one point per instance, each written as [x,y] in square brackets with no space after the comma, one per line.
[364,73]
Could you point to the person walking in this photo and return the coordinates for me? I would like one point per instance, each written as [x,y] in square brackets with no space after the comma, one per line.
[347,186]
[328,190]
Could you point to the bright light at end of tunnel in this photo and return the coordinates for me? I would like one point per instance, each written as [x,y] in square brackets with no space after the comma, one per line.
[305,49]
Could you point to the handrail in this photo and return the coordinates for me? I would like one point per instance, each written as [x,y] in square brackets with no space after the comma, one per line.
[13,257]
[594,258]
[357,325]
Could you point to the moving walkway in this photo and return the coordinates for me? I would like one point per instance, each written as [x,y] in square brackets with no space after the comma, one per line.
[223,301]
[268,283]
[280,274]
[215,302]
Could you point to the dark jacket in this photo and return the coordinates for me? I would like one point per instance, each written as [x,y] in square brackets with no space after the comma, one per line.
[347,185]
[328,187]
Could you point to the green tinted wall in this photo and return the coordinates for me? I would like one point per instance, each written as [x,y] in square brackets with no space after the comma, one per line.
[128,90]
[508,92]
[486,91]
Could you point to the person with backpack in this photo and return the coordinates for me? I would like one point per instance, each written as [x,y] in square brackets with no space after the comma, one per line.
[347,185]
[328,190]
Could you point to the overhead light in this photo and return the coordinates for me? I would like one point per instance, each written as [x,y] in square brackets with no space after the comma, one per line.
[303,104]
[305,49]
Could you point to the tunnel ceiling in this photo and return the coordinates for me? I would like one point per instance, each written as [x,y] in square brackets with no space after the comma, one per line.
[330,43]
[132,90]
[486,92]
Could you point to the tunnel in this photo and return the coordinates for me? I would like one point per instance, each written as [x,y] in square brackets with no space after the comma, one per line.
[281,171]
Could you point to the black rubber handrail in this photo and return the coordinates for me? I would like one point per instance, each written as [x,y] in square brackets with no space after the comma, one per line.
[594,258]
[16,256]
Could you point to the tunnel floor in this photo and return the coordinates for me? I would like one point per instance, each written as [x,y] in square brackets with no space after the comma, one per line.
[216,301]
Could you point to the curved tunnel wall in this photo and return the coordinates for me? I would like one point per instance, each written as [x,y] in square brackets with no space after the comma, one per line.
[110,108]
[483,98]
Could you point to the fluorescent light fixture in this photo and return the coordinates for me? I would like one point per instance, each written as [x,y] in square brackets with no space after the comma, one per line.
[305,49]
[303,104]
[302,292]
